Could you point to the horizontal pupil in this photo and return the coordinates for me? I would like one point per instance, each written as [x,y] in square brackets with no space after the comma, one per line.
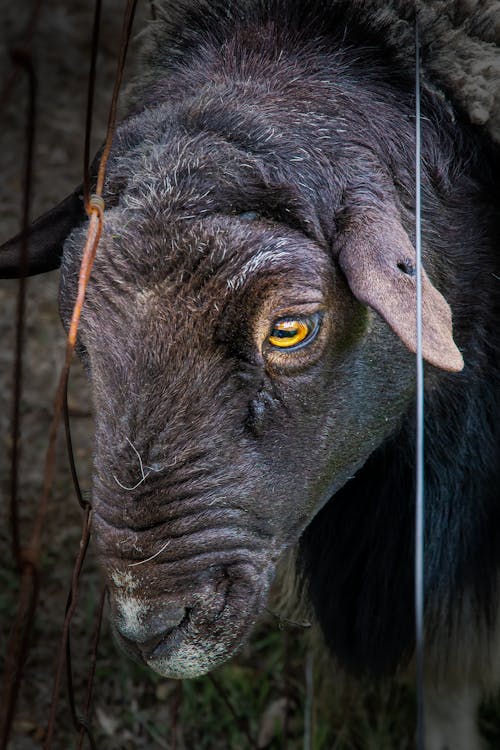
[278,333]
[292,334]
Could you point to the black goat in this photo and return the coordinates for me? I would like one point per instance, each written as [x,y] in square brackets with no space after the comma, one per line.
[245,329]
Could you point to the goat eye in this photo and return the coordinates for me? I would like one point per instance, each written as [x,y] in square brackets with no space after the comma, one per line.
[294,333]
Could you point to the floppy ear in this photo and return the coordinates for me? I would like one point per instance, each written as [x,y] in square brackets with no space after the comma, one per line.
[45,239]
[379,262]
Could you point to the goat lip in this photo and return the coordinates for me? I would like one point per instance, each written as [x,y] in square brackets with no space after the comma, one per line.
[213,627]
[197,646]
[168,642]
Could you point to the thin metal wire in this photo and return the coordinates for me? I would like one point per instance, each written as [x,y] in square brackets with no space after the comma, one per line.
[419,499]
[69,445]
[70,609]
[90,103]
[128,21]
[19,635]
[308,707]
[81,723]
[96,216]
[85,720]
[23,61]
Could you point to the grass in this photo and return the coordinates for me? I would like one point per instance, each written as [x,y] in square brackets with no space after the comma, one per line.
[257,700]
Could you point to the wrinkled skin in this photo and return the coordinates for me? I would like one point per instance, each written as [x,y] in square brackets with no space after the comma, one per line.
[226,197]
[242,440]
[263,187]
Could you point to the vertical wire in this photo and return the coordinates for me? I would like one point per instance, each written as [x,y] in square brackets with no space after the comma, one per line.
[308,708]
[94,231]
[90,103]
[18,639]
[419,499]
[23,61]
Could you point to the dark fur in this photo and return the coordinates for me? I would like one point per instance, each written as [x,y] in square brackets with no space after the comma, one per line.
[302,116]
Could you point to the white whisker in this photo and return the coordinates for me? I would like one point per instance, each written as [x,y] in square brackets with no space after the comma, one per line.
[152,468]
[148,559]
[137,454]
[144,477]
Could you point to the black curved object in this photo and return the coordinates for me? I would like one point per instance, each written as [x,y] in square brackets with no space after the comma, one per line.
[45,239]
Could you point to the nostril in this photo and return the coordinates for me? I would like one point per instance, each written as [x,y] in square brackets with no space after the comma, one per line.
[138,623]
[157,625]
[155,631]
[165,619]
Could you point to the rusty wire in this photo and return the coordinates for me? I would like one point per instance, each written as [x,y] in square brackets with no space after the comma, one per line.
[95,209]
[28,556]
[90,102]
[22,59]
[70,609]
[84,720]
[71,456]
[21,630]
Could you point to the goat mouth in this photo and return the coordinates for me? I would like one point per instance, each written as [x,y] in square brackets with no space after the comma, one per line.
[204,638]
[159,647]
[191,650]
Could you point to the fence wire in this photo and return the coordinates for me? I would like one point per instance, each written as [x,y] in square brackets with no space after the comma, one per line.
[28,555]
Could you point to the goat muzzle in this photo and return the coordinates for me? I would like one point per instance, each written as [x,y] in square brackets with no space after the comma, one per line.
[189,631]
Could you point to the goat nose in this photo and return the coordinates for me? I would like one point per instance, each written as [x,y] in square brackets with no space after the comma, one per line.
[148,629]
[156,631]
[162,622]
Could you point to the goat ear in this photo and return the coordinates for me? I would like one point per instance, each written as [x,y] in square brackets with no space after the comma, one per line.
[45,239]
[379,262]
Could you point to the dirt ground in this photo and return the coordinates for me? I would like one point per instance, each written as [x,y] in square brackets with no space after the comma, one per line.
[261,698]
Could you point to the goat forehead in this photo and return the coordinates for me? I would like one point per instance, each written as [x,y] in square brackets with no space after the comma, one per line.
[184,175]
[198,293]
[148,253]
[163,296]
[229,162]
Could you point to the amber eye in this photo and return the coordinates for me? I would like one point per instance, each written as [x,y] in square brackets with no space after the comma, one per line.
[294,333]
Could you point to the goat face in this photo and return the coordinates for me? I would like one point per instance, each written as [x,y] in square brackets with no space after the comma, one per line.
[237,382]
